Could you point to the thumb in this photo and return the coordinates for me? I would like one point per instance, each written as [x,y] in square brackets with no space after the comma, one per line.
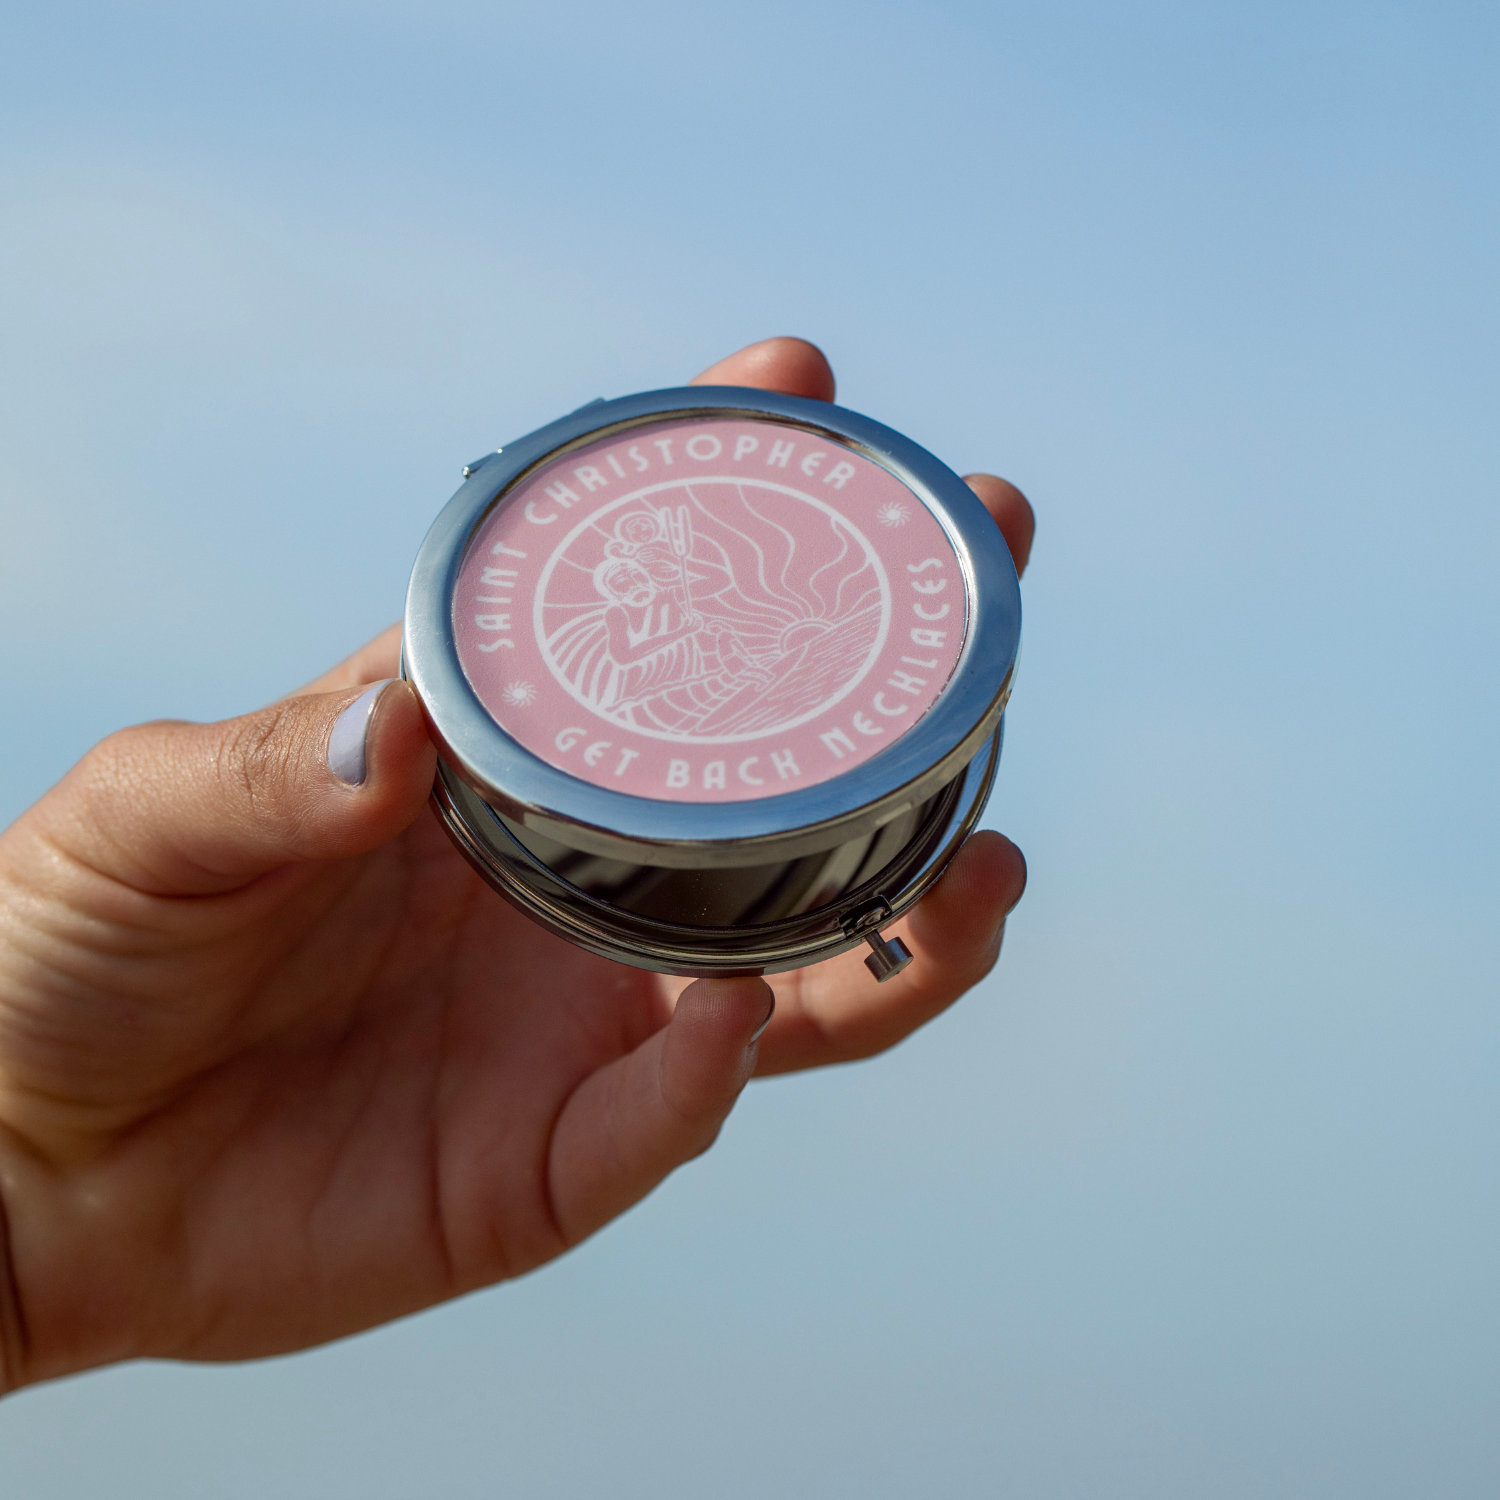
[631,1123]
[192,809]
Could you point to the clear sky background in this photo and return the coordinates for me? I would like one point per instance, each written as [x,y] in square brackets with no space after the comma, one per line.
[1196,1196]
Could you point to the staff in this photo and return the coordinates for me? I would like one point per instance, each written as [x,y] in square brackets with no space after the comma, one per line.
[680,534]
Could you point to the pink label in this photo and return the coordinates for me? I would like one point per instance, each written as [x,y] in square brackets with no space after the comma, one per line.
[709,611]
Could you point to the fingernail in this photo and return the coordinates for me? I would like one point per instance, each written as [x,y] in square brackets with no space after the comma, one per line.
[760,1030]
[346,744]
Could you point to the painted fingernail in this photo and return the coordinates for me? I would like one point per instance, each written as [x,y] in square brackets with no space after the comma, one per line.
[760,1030]
[346,744]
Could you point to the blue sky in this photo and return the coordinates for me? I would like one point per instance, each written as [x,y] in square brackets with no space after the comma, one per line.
[1196,1195]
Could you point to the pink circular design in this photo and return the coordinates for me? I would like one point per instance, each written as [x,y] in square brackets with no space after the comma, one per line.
[709,611]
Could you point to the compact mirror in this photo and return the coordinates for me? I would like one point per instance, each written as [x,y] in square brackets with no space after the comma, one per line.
[716,676]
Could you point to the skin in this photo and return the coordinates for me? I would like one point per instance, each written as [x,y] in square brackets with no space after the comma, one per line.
[276,1066]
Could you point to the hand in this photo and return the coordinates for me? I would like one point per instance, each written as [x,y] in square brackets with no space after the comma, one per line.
[276,1066]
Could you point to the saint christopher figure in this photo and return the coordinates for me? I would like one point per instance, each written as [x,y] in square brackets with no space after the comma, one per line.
[657,655]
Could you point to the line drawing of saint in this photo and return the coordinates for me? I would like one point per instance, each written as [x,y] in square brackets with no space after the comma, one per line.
[715,615]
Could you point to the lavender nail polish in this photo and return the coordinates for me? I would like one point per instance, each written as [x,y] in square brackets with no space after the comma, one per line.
[346,744]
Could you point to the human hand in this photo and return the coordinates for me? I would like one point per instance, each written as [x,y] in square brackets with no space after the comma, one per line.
[276,1066]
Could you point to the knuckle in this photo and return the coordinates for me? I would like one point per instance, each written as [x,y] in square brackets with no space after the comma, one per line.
[121,746]
[258,753]
[123,757]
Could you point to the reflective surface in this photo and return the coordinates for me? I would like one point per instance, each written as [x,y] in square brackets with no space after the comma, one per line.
[755,918]
[753,895]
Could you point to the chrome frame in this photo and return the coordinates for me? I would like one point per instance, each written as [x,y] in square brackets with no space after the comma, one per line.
[687,835]
[664,947]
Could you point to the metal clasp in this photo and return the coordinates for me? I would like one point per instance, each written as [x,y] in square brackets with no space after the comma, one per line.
[887,956]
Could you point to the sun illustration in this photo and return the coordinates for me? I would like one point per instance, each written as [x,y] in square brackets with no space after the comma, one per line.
[518,694]
[893,513]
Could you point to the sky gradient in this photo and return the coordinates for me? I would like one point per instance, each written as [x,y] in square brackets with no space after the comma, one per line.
[1196,1195]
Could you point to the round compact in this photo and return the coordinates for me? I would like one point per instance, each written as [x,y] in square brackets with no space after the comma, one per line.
[716,676]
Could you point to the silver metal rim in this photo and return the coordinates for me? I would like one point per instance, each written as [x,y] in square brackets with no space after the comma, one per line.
[697,835]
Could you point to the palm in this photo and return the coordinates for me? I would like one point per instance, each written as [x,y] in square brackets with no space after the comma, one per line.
[388,1144]
[364,1119]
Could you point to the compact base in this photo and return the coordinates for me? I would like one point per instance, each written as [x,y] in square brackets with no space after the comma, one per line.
[752,920]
